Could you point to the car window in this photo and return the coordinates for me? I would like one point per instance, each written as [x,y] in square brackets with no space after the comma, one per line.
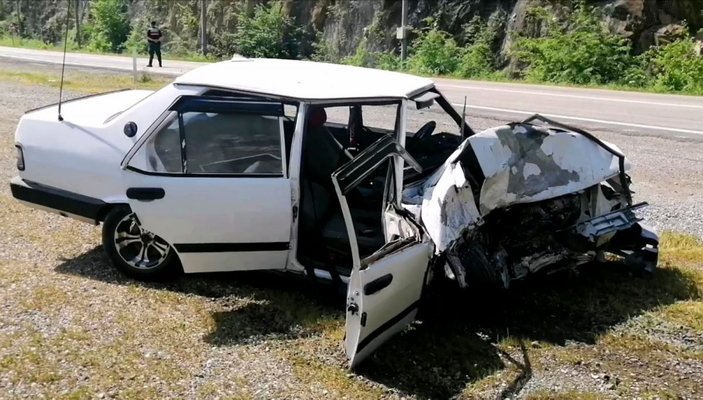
[232,143]
[416,119]
[290,111]
[164,148]
[349,129]
[379,117]
[215,143]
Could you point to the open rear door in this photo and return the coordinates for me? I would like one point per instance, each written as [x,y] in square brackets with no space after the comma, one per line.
[384,288]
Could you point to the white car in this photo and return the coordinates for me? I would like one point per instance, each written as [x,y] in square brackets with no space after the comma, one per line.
[355,176]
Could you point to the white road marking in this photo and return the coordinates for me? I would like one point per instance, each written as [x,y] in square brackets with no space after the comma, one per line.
[600,121]
[573,96]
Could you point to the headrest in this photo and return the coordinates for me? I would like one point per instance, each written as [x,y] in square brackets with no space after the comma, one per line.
[317,117]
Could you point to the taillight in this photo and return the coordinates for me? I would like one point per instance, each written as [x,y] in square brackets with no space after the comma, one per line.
[20,158]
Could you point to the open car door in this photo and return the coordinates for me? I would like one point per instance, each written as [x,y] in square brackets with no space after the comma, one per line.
[384,288]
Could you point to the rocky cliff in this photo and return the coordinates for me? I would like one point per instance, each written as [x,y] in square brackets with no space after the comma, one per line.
[345,23]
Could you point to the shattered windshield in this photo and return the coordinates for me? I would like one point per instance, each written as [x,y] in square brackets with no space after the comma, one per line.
[425,111]
[431,133]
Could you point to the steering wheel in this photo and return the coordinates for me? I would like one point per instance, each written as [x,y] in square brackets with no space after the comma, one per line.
[425,131]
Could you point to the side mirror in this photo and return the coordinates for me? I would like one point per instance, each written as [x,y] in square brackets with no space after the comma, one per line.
[130,129]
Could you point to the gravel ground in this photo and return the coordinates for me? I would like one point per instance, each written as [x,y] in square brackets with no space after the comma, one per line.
[71,327]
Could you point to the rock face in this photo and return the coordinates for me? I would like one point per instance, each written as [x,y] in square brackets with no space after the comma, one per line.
[345,23]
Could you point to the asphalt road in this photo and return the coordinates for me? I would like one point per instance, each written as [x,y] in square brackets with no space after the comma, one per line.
[616,111]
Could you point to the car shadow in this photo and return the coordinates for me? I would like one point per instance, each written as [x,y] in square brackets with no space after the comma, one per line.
[257,305]
[455,343]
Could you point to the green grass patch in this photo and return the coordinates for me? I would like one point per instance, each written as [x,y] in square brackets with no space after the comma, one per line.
[566,395]
[16,41]
[86,82]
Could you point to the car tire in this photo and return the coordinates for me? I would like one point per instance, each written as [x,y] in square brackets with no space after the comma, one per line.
[135,251]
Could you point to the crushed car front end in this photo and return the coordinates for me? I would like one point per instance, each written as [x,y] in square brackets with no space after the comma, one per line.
[531,197]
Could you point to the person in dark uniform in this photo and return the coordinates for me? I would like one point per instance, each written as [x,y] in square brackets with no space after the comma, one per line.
[153,36]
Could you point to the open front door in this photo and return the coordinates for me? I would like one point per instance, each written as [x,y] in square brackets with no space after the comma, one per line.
[384,288]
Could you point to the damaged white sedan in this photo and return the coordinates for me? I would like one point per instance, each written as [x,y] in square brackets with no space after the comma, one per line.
[354,176]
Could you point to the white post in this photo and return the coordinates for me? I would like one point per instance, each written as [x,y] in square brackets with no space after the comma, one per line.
[134,64]
[203,27]
[403,40]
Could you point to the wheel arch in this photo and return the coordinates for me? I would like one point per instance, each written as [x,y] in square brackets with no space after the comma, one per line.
[104,210]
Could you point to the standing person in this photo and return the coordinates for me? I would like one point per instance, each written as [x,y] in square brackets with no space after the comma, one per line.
[154,36]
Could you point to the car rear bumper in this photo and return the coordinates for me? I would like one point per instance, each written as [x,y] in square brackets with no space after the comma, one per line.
[67,204]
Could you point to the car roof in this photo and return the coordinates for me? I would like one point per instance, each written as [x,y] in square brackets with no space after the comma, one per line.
[305,80]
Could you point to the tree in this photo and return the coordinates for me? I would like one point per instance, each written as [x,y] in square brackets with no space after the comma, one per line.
[110,26]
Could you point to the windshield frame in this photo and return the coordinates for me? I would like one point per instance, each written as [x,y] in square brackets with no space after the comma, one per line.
[449,109]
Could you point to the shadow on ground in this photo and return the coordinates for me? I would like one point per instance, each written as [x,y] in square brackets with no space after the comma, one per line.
[454,345]
[257,305]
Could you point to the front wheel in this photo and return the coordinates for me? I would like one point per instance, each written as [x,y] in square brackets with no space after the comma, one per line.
[135,251]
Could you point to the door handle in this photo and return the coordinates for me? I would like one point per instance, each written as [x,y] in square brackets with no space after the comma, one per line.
[145,193]
[378,284]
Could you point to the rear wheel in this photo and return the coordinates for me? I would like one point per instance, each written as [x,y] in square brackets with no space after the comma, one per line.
[135,251]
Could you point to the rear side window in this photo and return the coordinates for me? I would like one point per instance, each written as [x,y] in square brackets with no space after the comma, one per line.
[230,138]
[232,143]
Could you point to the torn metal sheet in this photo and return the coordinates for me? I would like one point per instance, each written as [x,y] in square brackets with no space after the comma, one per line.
[448,205]
[525,163]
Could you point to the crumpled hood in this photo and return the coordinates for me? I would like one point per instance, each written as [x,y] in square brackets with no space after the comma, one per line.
[521,163]
[90,111]
[525,163]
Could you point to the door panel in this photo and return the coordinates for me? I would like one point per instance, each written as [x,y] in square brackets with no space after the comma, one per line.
[211,181]
[384,298]
[218,224]
[385,288]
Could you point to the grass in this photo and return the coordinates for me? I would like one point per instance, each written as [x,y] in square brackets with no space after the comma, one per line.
[156,337]
[16,41]
[84,82]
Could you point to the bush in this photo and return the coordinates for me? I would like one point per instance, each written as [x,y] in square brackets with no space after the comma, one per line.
[581,52]
[136,41]
[676,67]
[109,25]
[362,57]
[434,52]
[268,33]
[388,61]
[476,61]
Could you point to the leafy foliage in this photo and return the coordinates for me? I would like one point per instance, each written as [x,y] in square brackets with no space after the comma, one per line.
[676,67]
[362,57]
[582,51]
[268,33]
[479,58]
[110,26]
[434,52]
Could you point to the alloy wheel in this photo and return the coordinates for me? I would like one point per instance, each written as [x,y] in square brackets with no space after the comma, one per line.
[138,247]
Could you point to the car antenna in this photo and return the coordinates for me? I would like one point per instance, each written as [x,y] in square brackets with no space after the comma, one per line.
[63,63]
[463,119]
